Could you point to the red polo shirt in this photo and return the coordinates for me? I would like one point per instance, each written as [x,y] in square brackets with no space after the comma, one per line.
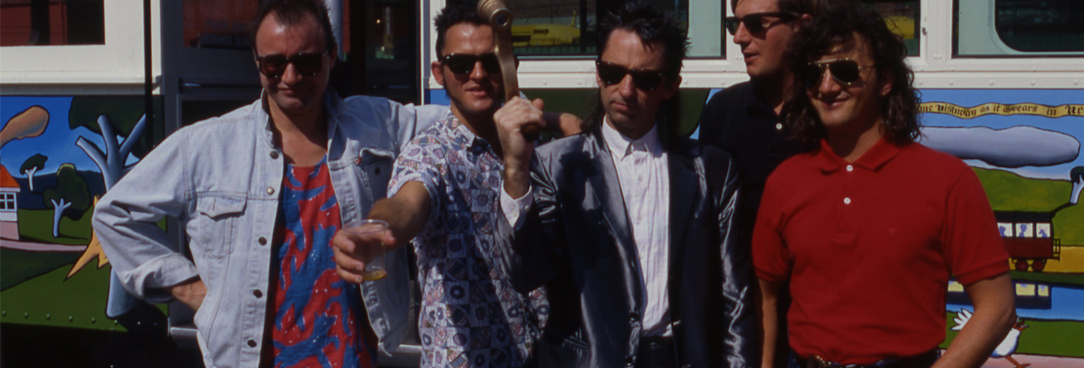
[869,247]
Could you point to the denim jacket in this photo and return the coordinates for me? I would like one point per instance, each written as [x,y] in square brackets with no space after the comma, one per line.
[221,178]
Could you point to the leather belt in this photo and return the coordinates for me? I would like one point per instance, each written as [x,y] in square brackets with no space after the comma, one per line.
[924,360]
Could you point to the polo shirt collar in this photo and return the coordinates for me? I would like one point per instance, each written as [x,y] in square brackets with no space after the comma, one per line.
[880,154]
[754,104]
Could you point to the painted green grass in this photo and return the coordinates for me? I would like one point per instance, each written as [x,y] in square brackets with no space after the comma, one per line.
[37,226]
[50,300]
[1008,191]
[1055,338]
[17,266]
[1069,225]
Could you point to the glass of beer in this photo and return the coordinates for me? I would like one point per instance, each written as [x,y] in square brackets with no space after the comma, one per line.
[375,267]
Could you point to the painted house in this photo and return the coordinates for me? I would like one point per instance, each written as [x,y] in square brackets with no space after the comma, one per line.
[9,216]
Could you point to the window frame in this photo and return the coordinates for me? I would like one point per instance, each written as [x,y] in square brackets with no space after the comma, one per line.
[117,62]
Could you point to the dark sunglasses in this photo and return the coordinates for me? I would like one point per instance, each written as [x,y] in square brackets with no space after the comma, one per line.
[755,23]
[644,79]
[845,71]
[464,63]
[306,64]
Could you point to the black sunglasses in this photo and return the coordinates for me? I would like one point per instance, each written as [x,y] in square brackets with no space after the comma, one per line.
[306,64]
[644,79]
[464,63]
[755,23]
[845,71]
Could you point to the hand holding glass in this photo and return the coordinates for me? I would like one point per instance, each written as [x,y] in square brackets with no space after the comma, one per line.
[373,253]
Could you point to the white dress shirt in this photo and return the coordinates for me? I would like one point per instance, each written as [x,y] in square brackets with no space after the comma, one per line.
[644,179]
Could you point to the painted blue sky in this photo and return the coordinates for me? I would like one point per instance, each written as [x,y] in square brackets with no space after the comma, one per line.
[1070,125]
[57,142]
[1073,126]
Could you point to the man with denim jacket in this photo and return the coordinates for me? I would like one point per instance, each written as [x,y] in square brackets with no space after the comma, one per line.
[258,192]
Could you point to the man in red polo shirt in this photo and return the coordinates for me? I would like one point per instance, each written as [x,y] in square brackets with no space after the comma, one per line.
[869,226]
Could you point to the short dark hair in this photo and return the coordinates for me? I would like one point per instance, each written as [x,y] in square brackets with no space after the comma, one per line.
[652,25]
[842,25]
[452,15]
[811,7]
[292,12]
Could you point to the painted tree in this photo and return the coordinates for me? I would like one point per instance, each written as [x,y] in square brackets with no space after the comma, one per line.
[31,166]
[112,118]
[1076,175]
[70,197]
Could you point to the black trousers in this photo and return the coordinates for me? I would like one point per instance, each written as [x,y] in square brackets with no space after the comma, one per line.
[656,352]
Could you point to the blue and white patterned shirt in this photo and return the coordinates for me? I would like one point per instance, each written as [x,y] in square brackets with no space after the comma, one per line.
[471,316]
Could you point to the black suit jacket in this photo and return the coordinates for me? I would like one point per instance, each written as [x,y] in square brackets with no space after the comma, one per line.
[576,240]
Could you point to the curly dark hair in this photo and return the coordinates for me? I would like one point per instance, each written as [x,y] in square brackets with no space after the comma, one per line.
[452,15]
[651,25]
[842,25]
[291,12]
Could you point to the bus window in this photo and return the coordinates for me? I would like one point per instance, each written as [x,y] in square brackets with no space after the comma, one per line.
[52,23]
[902,17]
[218,24]
[1040,26]
[568,28]
[1019,27]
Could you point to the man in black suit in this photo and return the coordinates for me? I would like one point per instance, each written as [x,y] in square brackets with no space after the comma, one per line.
[629,230]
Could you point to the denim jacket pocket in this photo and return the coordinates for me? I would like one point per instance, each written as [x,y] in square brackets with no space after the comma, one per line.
[217,215]
[375,166]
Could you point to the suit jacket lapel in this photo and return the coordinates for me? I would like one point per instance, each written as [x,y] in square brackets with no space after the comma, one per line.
[684,182]
[607,188]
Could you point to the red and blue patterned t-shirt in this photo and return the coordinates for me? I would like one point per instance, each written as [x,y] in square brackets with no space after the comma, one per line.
[319,319]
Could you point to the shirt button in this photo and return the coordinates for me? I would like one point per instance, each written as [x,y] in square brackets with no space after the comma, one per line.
[847,200]
[270,190]
[274,154]
[257,293]
[251,343]
[850,168]
[778,126]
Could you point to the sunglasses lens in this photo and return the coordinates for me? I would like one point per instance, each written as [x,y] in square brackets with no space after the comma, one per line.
[308,64]
[731,24]
[646,80]
[273,65]
[611,74]
[459,64]
[490,63]
[754,23]
[845,71]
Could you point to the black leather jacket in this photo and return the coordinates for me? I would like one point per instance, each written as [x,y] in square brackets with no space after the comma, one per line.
[576,240]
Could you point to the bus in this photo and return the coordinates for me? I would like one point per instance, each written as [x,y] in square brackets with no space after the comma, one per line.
[87,87]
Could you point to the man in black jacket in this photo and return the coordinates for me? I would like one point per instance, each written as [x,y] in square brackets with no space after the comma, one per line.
[630,231]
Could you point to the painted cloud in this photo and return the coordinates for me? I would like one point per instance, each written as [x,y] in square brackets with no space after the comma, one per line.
[1010,147]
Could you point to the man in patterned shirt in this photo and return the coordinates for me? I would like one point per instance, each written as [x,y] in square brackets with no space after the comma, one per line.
[445,191]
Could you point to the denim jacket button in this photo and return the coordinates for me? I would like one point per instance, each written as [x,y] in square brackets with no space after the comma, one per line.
[251,343]
[274,154]
[270,190]
[262,240]
[257,293]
